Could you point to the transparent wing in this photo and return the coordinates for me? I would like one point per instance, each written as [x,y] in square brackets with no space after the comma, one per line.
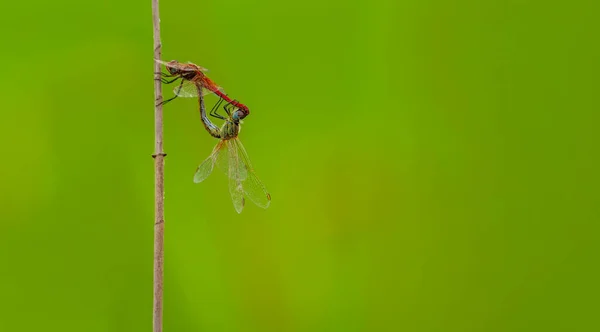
[188,89]
[204,170]
[251,184]
[182,66]
[164,63]
[199,67]
[224,163]
[235,183]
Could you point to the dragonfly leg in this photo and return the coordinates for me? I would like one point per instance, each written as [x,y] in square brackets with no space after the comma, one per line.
[218,116]
[216,105]
[227,107]
[166,101]
[176,94]
[179,88]
[213,111]
[165,81]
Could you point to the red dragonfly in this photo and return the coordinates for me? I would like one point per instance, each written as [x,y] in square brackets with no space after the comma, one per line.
[192,75]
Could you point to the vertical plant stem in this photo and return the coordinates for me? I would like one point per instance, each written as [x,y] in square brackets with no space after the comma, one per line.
[159,184]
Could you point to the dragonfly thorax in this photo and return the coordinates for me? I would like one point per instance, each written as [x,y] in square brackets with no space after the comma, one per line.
[230,130]
[188,75]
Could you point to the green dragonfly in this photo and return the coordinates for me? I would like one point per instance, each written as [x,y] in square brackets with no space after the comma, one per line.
[231,157]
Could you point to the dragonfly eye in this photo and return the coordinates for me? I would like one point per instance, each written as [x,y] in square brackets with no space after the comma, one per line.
[238,115]
[172,66]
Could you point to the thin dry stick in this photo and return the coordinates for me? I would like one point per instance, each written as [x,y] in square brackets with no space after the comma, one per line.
[159,184]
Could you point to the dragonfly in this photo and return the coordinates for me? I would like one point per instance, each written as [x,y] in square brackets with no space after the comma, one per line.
[230,156]
[192,75]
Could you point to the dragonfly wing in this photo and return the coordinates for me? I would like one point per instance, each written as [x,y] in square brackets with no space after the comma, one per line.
[200,68]
[182,66]
[189,89]
[224,162]
[186,89]
[204,170]
[235,183]
[252,186]
[164,63]
[256,191]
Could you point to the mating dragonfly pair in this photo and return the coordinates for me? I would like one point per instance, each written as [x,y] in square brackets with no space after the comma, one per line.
[229,154]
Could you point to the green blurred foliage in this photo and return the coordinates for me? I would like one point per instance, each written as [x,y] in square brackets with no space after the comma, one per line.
[433,167]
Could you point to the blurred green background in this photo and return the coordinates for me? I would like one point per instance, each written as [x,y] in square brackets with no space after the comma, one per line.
[433,167]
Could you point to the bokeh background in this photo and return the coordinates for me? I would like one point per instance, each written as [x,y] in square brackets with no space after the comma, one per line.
[433,167]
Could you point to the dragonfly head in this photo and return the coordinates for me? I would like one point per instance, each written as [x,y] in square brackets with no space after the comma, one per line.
[244,109]
[238,115]
[173,67]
